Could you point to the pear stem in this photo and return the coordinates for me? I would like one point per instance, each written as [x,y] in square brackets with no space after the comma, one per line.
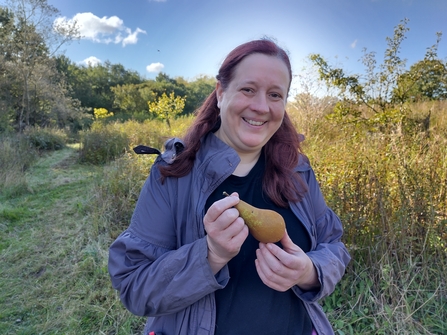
[226,194]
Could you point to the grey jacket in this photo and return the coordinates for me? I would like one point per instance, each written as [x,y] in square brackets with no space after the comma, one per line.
[159,264]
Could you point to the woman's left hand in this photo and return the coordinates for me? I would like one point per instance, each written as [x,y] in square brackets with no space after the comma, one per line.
[281,269]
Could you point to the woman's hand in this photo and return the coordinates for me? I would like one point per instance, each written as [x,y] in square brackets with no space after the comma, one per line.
[281,269]
[226,231]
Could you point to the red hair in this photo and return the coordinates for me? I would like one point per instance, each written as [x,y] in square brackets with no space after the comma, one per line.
[283,149]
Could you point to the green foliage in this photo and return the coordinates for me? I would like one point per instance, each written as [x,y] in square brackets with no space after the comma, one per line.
[380,100]
[167,108]
[389,190]
[53,273]
[118,190]
[132,98]
[46,138]
[425,80]
[102,144]
[92,85]
[32,92]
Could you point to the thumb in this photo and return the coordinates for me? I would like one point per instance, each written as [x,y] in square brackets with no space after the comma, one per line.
[288,244]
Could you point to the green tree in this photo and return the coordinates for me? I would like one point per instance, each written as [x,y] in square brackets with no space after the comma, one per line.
[132,98]
[92,85]
[383,91]
[167,107]
[425,80]
[29,43]
[197,91]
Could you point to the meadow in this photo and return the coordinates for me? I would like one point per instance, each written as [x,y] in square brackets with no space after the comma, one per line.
[64,198]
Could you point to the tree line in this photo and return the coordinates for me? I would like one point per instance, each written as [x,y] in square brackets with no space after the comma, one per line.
[41,87]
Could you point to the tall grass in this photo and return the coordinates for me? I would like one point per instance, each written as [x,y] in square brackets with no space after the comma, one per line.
[390,192]
[105,142]
[16,156]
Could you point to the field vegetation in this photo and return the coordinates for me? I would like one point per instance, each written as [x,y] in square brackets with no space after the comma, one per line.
[69,179]
[61,209]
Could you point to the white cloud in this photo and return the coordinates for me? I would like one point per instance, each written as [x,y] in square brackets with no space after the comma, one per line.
[91,61]
[102,30]
[353,44]
[132,38]
[155,67]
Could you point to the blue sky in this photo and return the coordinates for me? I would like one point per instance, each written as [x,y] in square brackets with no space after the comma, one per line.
[191,37]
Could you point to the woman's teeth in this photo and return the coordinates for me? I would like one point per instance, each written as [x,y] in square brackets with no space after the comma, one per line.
[254,123]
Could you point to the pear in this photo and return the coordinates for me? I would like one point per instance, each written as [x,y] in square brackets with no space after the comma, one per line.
[265,225]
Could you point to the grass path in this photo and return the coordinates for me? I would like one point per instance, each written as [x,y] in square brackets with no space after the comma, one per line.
[53,268]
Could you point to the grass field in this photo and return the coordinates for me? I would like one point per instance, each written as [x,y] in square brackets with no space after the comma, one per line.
[53,270]
[58,218]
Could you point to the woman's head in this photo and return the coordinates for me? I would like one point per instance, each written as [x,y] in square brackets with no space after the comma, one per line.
[207,118]
[263,46]
[252,104]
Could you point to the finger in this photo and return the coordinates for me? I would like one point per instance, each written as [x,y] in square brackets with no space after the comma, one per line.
[227,225]
[290,259]
[288,244]
[269,265]
[218,207]
[268,277]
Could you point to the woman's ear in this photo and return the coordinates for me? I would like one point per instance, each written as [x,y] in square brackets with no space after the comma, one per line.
[219,92]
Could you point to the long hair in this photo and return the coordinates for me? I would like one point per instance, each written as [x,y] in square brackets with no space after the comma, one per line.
[283,149]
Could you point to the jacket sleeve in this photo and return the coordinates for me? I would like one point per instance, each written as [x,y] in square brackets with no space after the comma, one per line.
[330,256]
[152,275]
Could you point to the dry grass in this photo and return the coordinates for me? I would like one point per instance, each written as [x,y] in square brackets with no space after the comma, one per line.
[390,192]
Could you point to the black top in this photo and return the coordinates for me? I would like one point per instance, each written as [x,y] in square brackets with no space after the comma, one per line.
[246,305]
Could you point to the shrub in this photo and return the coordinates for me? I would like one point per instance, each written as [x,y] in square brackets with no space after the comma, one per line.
[102,144]
[46,138]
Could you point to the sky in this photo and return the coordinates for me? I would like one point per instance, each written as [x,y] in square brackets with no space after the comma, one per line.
[188,38]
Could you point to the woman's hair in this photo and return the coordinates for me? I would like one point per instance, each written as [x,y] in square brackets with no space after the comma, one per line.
[283,149]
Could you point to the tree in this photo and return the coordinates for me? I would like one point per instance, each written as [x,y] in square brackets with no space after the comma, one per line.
[92,85]
[167,107]
[381,92]
[197,91]
[425,80]
[28,46]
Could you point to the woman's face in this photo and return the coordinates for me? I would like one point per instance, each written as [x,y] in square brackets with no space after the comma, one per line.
[252,106]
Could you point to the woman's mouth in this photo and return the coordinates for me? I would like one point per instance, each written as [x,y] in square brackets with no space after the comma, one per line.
[253,122]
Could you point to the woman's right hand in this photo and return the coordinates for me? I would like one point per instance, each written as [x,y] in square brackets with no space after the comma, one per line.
[226,231]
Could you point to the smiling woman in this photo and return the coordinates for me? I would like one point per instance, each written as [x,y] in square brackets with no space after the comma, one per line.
[252,107]
[187,259]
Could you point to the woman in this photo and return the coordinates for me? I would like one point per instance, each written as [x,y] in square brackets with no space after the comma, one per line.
[187,260]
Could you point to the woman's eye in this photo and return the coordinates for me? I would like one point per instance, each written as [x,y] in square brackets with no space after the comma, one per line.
[276,95]
[247,89]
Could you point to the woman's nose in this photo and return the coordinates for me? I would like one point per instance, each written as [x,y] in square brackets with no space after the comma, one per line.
[260,103]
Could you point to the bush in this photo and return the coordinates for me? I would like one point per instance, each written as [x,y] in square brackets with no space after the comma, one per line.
[102,144]
[115,194]
[46,138]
